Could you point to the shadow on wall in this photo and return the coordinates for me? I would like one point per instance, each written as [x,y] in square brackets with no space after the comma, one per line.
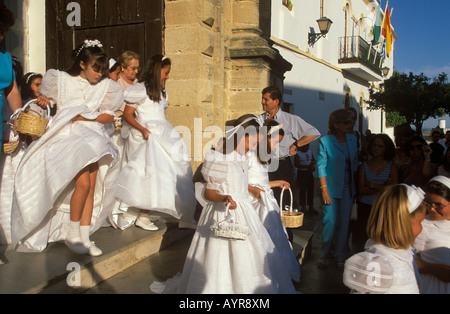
[315,106]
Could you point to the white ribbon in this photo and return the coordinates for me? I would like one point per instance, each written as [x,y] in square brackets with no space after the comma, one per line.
[233,131]
[415,197]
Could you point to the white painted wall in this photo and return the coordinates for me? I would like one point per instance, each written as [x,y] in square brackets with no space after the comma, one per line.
[26,39]
[316,85]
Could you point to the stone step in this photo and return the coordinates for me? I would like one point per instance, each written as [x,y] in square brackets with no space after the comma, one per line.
[58,270]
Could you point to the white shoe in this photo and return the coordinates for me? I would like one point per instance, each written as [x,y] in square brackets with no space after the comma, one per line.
[93,250]
[145,223]
[76,246]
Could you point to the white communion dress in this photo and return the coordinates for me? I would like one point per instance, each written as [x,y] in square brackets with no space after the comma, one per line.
[8,164]
[269,212]
[217,265]
[44,181]
[381,270]
[156,173]
[433,246]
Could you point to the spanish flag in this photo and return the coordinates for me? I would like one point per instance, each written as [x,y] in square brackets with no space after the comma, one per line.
[386,30]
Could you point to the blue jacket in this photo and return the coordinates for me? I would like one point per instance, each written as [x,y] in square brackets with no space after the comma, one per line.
[331,164]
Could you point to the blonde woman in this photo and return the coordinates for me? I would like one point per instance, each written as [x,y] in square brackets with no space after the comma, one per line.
[387,264]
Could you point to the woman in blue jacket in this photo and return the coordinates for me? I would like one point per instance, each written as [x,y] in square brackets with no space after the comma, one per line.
[337,162]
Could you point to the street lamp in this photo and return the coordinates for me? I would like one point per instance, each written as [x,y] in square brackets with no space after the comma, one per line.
[385,71]
[324,27]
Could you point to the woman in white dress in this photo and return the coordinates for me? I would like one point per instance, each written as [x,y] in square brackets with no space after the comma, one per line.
[262,197]
[387,264]
[59,184]
[433,243]
[156,173]
[218,265]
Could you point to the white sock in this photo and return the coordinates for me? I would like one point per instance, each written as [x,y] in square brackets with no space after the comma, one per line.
[84,233]
[74,231]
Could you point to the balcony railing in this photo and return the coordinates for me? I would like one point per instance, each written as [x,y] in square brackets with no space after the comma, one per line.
[354,49]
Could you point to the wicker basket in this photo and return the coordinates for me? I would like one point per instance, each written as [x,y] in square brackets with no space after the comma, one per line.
[31,122]
[10,147]
[290,217]
[230,229]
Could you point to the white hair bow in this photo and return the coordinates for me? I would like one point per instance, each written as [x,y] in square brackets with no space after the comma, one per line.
[415,197]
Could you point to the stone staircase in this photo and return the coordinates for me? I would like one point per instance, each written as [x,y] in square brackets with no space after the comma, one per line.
[57,270]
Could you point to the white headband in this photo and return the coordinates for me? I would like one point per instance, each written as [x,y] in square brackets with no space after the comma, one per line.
[164,58]
[441,179]
[415,197]
[233,130]
[30,76]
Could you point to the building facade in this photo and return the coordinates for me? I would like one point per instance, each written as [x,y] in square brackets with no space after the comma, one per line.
[334,71]
[224,53]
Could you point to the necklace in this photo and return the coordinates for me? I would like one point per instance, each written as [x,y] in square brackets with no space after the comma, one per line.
[81,88]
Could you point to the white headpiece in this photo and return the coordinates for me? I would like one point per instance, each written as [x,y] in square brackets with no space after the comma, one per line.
[415,197]
[163,58]
[441,179]
[89,43]
[275,129]
[233,130]
[112,63]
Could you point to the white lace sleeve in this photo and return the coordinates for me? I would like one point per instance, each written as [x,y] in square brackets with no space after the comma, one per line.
[49,87]
[113,99]
[135,95]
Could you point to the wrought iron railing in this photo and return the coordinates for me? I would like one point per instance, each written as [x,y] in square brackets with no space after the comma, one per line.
[354,49]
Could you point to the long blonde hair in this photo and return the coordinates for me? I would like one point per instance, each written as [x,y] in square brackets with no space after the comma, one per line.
[390,221]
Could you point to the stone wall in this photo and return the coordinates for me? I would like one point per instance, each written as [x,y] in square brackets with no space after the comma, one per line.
[221,62]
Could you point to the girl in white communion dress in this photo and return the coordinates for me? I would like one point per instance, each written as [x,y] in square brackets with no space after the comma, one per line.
[218,265]
[156,174]
[59,184]
[262,197]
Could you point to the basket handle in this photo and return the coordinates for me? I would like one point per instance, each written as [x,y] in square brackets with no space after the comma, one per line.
[281,199]
[34,101]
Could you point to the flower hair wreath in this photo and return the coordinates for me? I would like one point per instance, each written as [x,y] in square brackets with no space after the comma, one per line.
[89,43]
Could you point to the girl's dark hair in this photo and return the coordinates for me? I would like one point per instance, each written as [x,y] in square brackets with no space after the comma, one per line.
[264,144]
[89,55]
[151,77]
[227,145]
[389,151]
[25,90]
[7,18]
[435,187]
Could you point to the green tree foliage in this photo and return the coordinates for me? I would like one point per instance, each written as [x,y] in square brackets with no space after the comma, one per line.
[413,97]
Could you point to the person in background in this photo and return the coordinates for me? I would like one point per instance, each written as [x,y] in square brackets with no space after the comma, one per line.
[419,170]
[433,243]
[114,69]
[306,166]
[9,88]
[444,168]
[402,133]
[337,163]
[437,149]
[297,133]
[374,175]
[387,265]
